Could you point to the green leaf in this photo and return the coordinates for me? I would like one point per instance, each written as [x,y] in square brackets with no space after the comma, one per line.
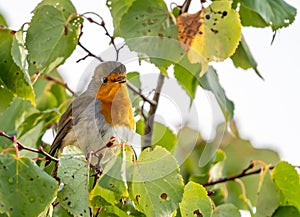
[210,81]
[2,21]
[59,212]
[49,43]
[113,178]
[243,57]
[117,9]
[251,18]
[286,180]
[186,74]
[33,127]
[276,13]
[112,211]
[268,196]
[73,173]
[149,29]
[157,185]
[195,201]
[12,118]
[101,197]
[14,79]
[134,78]
[284,211]
[18,50]
[226,210]
[163,136]
[6,97]
[64,6]
[50,94]
[25,189]
[48,117]
[242,151]
[147,18]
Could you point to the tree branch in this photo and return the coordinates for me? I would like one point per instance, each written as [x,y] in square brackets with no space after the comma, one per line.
[89,54]
[244,173]
[49,78]
[185,6]
[20,146]
[139,92]
[102,24]
[150,119]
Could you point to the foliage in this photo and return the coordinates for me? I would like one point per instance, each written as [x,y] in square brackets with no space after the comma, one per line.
[183,174]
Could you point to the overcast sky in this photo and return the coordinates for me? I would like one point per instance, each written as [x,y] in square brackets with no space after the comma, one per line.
[267,112]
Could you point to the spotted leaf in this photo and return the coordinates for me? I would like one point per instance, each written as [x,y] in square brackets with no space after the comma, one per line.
[212,34]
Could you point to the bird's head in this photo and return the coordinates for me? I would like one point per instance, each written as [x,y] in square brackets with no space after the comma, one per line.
[111,78]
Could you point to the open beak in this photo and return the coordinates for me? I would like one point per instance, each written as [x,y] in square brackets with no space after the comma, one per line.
[121,79]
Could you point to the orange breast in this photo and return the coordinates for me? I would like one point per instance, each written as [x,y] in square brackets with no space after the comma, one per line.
[116,106]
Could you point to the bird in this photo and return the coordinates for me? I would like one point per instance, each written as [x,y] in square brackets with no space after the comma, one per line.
[103,111]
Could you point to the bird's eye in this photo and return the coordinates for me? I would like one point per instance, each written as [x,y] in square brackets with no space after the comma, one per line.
[105,80]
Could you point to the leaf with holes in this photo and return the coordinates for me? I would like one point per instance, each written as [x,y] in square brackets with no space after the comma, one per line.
[149,29]
[64,6]
[48,40]
[20,179]
[13,78]
[212,34]
[195,201]
[117,9]
[157,185]
[73,174]
[274,13]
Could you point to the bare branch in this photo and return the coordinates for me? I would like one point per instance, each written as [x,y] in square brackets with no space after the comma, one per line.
[185,6]
[20,146]
[102,24]
[244,173]
[150,119]
[49,78]
[89,54]
[139,92]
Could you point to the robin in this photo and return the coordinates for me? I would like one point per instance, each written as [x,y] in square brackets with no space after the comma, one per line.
[101,112]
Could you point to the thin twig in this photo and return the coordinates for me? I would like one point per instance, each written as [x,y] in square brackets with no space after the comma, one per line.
[20,146]
[150,119]
[49,78]
[185,6]
[139,92]
[89,54]
[102,24]
[244,173]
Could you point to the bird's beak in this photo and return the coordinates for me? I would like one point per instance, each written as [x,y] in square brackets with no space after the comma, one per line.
[121,79]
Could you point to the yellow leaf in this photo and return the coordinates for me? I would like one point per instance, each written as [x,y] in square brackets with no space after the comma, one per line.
[211,34]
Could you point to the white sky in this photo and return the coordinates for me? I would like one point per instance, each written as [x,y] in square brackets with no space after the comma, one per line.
[267,112]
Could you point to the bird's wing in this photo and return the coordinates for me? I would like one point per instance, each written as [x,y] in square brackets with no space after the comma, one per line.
[68,119]
[64,126]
